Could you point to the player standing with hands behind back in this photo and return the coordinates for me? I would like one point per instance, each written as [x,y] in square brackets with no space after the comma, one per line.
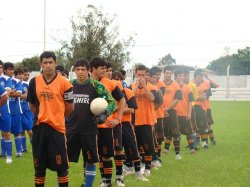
[50,97]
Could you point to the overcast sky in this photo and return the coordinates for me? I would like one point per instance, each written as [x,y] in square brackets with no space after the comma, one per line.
[194,32]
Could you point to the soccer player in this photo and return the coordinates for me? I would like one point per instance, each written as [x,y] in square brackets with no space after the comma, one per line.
[51,98]
[144,116]
[200,106]
[27,116]
[105,130]
[81,128]
[5,120]
[171,97]
[15,107]
[128,135]
[184,109]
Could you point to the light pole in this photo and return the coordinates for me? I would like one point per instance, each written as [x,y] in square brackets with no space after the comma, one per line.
[44,25]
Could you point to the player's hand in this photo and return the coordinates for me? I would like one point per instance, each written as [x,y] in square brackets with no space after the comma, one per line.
[101,118]
[112,123]
[143,82]
[188,116]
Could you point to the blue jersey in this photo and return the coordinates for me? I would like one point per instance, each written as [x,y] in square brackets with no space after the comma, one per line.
[24,102]
[2,91]
[6,82]
[15,105]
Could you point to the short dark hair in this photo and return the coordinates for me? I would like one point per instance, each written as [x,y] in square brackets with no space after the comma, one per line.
[1,62]
[117,74]
[198,72]
[66,72]
[152,72]
[8,65]
[95,62]
[156,69]
[109,64]
[17,71]
[82,62]
[178,72]
[60,68]
[122,71]
[169,68]
[47,54]
[141,67]
[25,70]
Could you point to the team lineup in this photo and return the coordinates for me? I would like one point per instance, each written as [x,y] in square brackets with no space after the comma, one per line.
[130,130]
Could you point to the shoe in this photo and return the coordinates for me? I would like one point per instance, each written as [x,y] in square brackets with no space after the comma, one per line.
[9,160]
[2,155]
[127,170]
[19,155]
[192,151]
[154,165]
[119,182]
[147,173]
[213,142]
[166,151]
[139,176]
[205,146]
[142,167]
[178,157]
[25,151]
[104,184]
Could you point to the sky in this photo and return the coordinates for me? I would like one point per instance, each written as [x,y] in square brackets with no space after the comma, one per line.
[194,32]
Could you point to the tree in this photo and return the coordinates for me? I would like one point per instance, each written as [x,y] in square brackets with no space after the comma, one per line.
[31,63]
[239,63]
[166,60]
[95,34]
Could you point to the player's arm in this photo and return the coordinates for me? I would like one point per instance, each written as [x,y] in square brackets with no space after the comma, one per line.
[177,97]
[32,95]
[190,101]
[119,97]
[212,82]
[18,91]
[158,99]
[68,101]
[131,104]
[148,92]
[4,96]
[104,93]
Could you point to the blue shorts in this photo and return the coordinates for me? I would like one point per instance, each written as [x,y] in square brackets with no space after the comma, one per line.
[27,120]
[16,124]
[5,122]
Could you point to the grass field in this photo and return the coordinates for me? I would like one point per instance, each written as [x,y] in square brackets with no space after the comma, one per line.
[225,164]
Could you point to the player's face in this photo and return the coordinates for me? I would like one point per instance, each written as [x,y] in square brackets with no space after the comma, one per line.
[158,76]
[48,65]
[81,73]
[19,76]
[179,78]
[26,76]
[9,72]
[186,78]
[168,75]
[108,73]
[141,74]
[154,79]
[99,72]
[198,79]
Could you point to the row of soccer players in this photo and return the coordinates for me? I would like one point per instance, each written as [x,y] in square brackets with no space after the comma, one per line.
[160,109]
[16,117]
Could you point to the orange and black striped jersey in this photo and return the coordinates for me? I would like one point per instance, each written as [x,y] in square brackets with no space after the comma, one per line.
[145,114]
[202,91]
[182,106]
[130,102]
[172,92]
[49,99]
[209,93]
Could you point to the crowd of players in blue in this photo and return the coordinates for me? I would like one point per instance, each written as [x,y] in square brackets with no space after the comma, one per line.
[15,114]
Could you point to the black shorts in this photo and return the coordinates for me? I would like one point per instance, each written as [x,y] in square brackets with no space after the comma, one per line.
[117,135]
[144,136]
[49,149]
[170,124]
[159,132]
[86,143]
[129,141]
[200,118]
[210,120]
[185,125]
[105,142]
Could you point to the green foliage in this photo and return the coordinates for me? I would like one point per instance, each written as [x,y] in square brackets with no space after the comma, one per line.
[239,63]
[225,164]
[31,63]
[167,60]
[95,34]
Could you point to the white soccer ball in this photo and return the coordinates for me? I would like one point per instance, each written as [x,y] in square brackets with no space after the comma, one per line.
[98,106]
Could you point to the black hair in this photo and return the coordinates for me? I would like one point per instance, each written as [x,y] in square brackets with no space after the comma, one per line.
[25,70]
[122,71]
[141,67]
[47,54]
[66,72]
[198,72]
[109,64]
[117,74]
[169,68]
[17,71]
[1,62]
[156,69]
[178,72]
[95,62]
[152,72]
[8,65]
[82,63]
[60,68]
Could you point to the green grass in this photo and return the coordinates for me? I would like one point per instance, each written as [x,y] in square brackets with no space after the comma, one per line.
[226,164]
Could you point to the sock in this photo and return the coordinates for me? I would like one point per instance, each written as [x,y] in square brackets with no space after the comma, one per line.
[137,165]
[8,147]
[159,150]
[3,150]
[211,135]
[107,170]
[39,179]
[148,160]
[118,164]
[177,146]
[31,141]
[190,141]
[90,172]
[101,168]
[24,147]
[18,142]
[167,142]
[63,179]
